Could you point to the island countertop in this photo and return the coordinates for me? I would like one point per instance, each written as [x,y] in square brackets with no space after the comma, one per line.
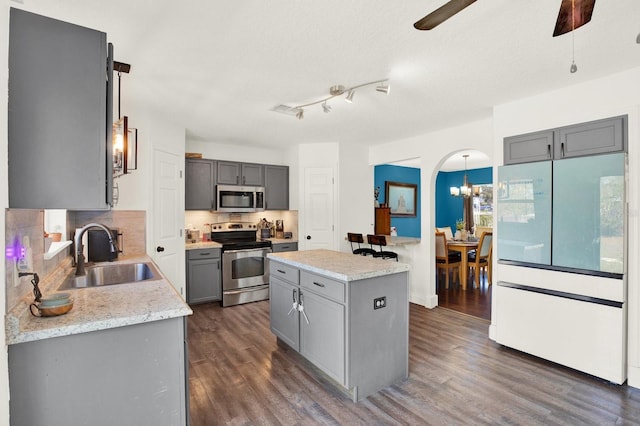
[339,265]
[96,308]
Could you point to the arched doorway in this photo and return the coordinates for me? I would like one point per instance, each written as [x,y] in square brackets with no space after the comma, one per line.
[471,211]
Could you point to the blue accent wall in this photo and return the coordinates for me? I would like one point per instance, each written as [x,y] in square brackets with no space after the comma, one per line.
[448,208]
[406,226]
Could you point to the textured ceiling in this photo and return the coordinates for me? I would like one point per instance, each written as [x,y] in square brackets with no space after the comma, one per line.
[219,67]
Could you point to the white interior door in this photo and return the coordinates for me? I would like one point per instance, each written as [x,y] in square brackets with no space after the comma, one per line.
[168,213]
[318,209]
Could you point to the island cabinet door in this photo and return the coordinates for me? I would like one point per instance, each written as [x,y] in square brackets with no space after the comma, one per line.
[284,318]
[322,334]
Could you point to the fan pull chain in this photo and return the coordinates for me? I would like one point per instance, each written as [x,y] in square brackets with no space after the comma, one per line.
[574,67]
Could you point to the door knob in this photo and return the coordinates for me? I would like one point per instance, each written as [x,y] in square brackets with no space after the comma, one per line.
[308,237]
[159,249]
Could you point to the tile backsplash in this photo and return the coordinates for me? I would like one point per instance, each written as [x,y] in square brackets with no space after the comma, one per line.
[26,227]
[201,218]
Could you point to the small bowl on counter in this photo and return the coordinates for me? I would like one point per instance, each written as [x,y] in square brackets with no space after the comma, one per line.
[52,305]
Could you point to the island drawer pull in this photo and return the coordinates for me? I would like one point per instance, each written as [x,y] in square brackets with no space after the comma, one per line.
[205,254]
[318,284]
[281,271]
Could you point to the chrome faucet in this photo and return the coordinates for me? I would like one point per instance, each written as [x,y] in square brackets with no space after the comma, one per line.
[80,248]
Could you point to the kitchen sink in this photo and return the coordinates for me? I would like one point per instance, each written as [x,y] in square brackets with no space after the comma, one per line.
[112,274]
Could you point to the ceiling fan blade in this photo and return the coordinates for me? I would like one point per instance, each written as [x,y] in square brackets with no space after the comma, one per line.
[582,14]
[441,14]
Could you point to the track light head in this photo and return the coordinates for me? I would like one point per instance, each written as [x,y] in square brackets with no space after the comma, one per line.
[384,88]
[349,97]
[326,108]
[638,39]
[300,114]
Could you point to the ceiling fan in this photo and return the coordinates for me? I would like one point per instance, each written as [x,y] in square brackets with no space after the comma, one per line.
[573,14]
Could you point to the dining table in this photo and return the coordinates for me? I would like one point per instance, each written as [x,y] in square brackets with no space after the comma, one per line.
[464,247]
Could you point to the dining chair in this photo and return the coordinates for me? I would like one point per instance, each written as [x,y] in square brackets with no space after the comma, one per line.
[480,259]
[358,239]
[446,259]
[447,232]
[381,241]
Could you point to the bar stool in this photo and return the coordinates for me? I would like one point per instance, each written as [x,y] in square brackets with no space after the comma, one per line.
[358,239]
[381,241]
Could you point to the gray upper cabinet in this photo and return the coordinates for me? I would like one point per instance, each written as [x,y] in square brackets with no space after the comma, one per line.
[60,114]
[592,138]
[200,185]
[596,137]
[527,148]
[233,173]
[276,184]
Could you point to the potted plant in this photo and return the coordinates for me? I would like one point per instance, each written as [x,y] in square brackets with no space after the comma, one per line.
[460,225]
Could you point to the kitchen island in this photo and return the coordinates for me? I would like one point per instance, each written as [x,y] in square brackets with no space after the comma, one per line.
[346,314]
[118,357]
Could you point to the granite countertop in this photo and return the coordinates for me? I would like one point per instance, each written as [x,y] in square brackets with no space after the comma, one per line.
[202,245]
[339,265]
[401,241]
[96,308]
[282,240]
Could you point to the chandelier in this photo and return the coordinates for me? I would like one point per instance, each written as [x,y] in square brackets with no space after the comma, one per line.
[466,190]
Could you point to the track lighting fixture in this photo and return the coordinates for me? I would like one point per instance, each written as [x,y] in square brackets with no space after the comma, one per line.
[638,39]
[334,91]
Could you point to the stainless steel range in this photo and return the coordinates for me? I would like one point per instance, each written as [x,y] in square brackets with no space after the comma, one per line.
[245,274]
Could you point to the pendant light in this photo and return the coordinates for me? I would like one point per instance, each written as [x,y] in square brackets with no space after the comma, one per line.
[465,190]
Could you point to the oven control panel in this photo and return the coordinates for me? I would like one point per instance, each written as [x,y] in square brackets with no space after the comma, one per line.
[233,226]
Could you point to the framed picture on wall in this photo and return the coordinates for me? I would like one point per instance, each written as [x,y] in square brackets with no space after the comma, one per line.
[402,198]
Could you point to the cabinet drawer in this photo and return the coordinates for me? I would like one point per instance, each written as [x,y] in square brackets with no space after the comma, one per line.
[203,254]
[280,247]
[322,285]
[285,272]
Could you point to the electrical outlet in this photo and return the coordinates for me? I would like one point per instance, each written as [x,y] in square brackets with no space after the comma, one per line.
[380,302]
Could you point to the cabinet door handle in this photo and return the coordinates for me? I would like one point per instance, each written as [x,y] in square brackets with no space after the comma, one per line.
[159,249]
[562,149]
[549,150]
[318,284]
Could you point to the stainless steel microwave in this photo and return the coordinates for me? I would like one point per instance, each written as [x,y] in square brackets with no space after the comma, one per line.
[239,199]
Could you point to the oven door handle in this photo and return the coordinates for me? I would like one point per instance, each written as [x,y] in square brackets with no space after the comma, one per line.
[264,250]
[247,290]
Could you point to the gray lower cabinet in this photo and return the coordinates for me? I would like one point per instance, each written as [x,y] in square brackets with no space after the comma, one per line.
[592,138]
[322,338]
[133,375]
[203,275]
[276,186]
[338,330]
[199,184]
[284,317]
[280,247]
[59,122]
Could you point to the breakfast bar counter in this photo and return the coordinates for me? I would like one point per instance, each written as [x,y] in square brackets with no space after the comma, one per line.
[346,314]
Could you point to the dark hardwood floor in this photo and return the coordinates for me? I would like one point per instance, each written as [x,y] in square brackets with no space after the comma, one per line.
[240,375]
[472,301]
